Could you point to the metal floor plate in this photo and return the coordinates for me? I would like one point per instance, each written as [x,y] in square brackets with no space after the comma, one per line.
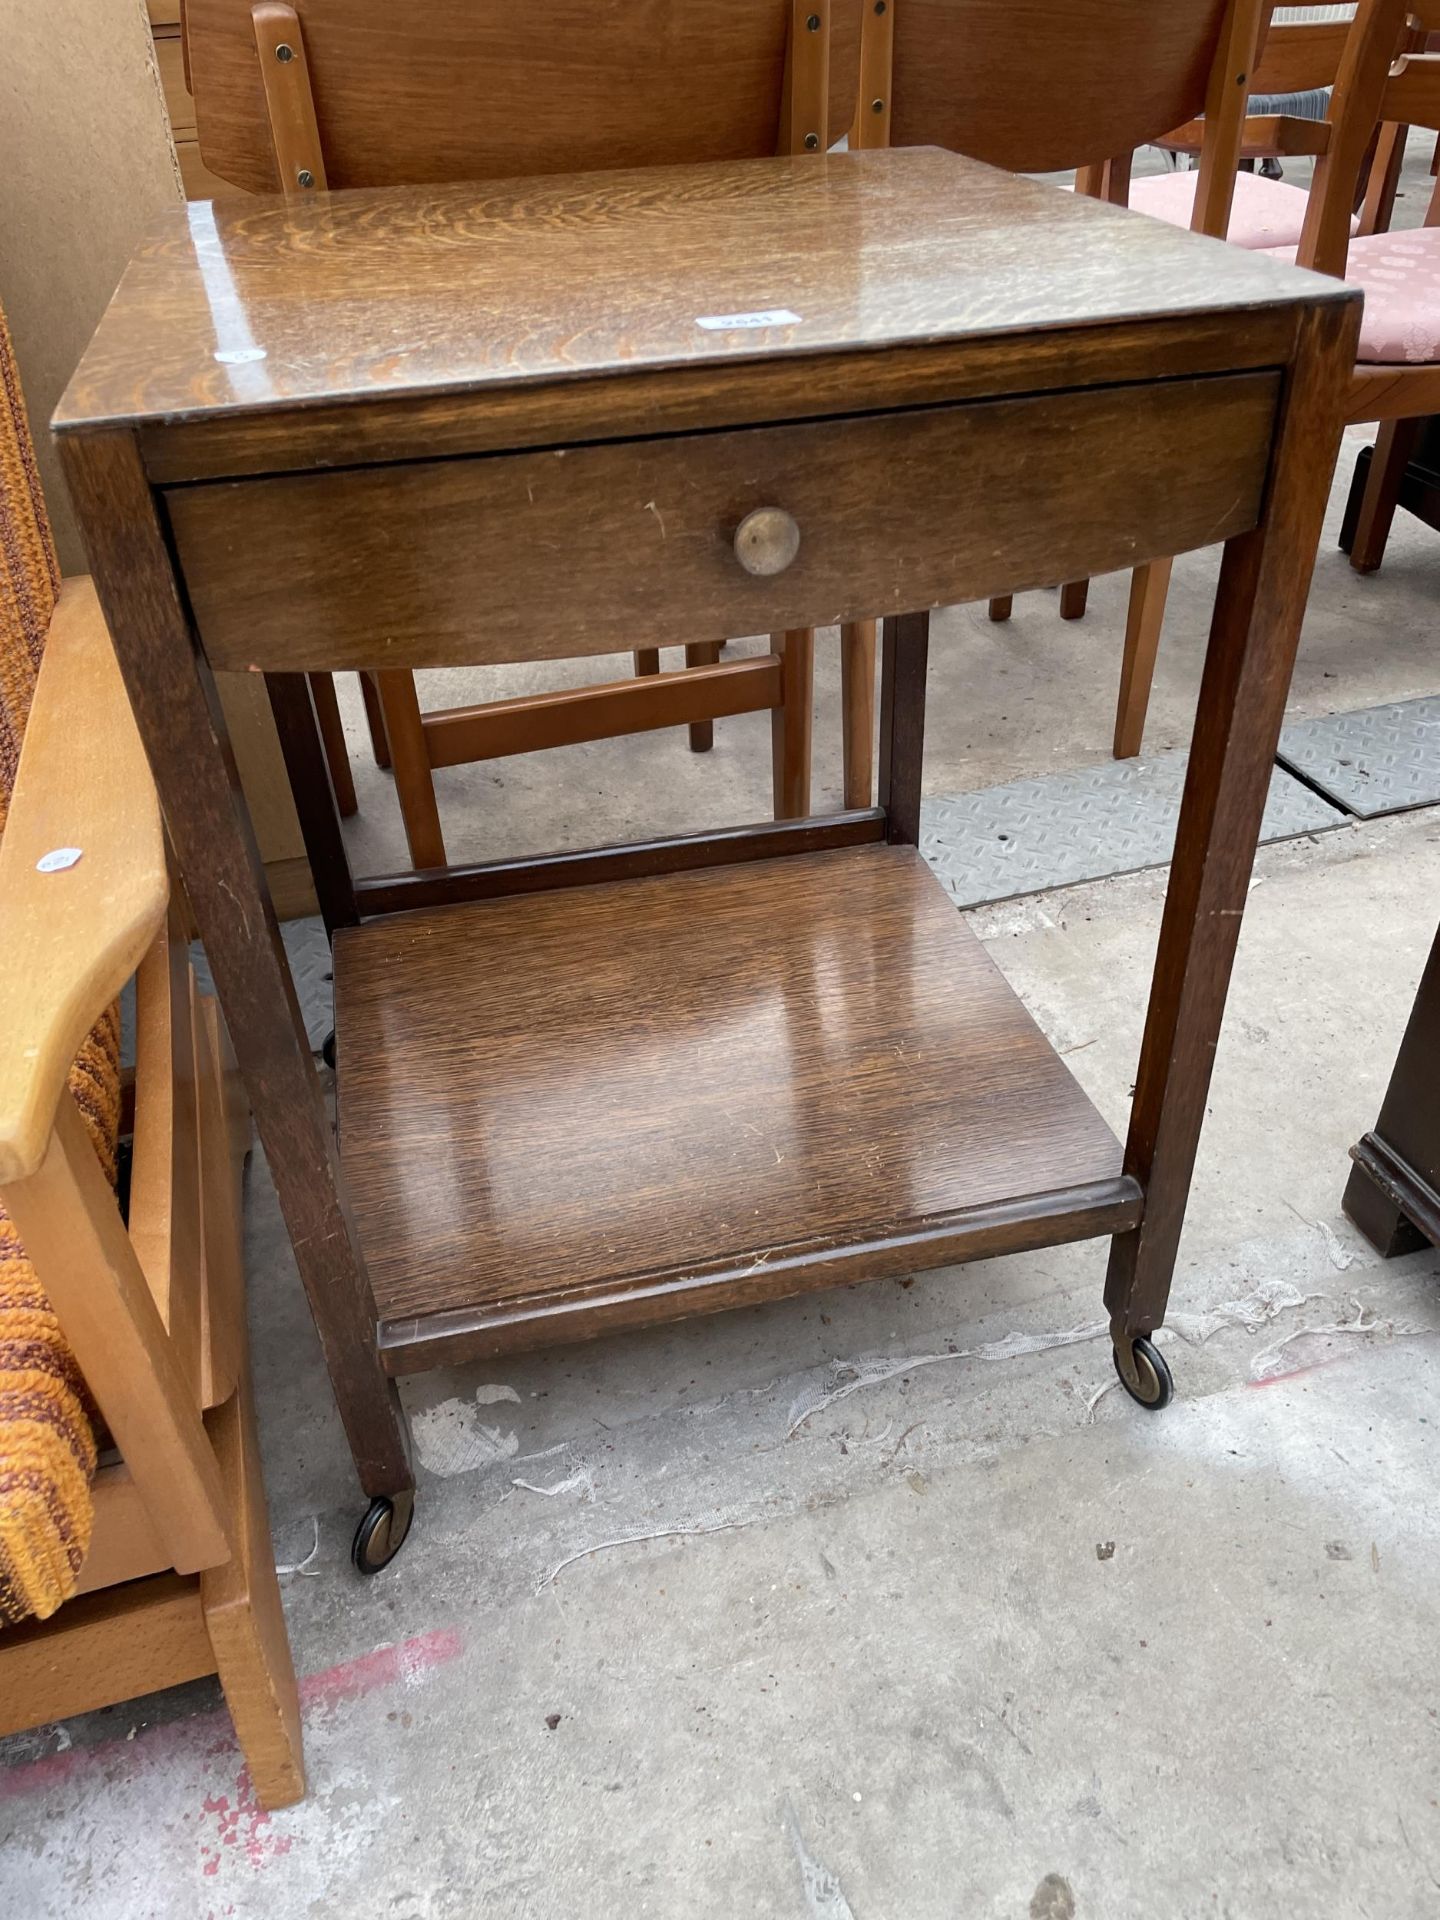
[1380,760]
[1088,824]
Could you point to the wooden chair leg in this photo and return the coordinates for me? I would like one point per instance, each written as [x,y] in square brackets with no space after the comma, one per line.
[1395,445]
[1074,598]
[375,716]
[1149,590]
[1002,606]
[857,703]
[704,653]
[332,732]
[243,1617]
[414,781]
[790,724]
[647,661]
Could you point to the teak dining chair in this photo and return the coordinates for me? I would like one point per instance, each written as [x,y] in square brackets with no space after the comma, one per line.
[357,93]
[1296,57]
[1368,527]
[931,73]
[134,1546]
[1397,377]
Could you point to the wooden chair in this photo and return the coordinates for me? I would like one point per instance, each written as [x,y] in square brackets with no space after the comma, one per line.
[1297,58]
[1398,441]
[1289,89]
[1397,378]
[179,1576]
[349,93]
[940,62]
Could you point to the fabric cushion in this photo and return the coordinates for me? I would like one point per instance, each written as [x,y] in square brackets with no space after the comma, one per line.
[47,1424]
[1400,276]
[1265,214]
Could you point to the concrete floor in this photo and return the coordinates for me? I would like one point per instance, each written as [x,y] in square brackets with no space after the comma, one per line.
[936,1637]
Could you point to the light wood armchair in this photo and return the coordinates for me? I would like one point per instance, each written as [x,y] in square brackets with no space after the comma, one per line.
[180,1577]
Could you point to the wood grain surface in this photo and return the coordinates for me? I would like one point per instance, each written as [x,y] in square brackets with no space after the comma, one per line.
[249,306]
[470,92]
[103,1648]
[631,1086]
[544,555]
[1111,74]
[74,932]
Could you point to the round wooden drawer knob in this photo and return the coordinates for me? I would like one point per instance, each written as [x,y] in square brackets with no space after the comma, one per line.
[766,541]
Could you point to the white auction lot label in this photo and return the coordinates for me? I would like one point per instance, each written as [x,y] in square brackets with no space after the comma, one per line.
[58,860]
[768,317]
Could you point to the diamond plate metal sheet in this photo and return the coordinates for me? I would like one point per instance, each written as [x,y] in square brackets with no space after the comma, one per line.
[1065,828]
[308,952]
[1379,760]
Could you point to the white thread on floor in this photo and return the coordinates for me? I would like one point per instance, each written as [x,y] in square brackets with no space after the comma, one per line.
[1271,1361]
[636,1539]
[844,1377]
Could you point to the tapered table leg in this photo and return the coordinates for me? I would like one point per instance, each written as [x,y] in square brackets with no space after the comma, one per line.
[180,721]
[1256,627]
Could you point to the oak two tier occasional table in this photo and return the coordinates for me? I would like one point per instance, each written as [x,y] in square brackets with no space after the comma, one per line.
[410,429]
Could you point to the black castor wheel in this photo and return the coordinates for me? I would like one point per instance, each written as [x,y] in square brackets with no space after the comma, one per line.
[1147,1378]
[382,1533]
[327,1049]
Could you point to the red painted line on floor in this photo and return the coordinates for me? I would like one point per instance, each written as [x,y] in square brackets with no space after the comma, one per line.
[407,1662]
[1296,1373]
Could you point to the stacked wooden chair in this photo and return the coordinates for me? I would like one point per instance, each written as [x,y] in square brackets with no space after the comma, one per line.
[355,93]
[134,1547]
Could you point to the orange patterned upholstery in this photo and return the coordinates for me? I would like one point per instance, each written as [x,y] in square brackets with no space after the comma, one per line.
[47,1426]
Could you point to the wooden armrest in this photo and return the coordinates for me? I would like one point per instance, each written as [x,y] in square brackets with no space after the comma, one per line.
[71,937]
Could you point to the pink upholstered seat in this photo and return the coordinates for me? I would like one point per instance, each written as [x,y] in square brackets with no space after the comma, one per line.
[1400,276]
[1265,214]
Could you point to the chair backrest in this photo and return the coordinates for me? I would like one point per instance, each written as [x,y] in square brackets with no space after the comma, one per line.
[1039,85]
[1302,55]
[1372,87]
[442,90]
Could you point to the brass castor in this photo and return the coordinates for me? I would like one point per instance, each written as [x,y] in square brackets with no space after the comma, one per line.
[1143,1373]
[383,1531]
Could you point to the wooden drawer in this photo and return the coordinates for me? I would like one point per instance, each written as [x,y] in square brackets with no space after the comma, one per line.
[577,551]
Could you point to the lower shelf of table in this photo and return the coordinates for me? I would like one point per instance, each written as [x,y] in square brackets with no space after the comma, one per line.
[582,1110]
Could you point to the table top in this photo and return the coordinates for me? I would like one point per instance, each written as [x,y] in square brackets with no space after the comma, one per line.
[251,305]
